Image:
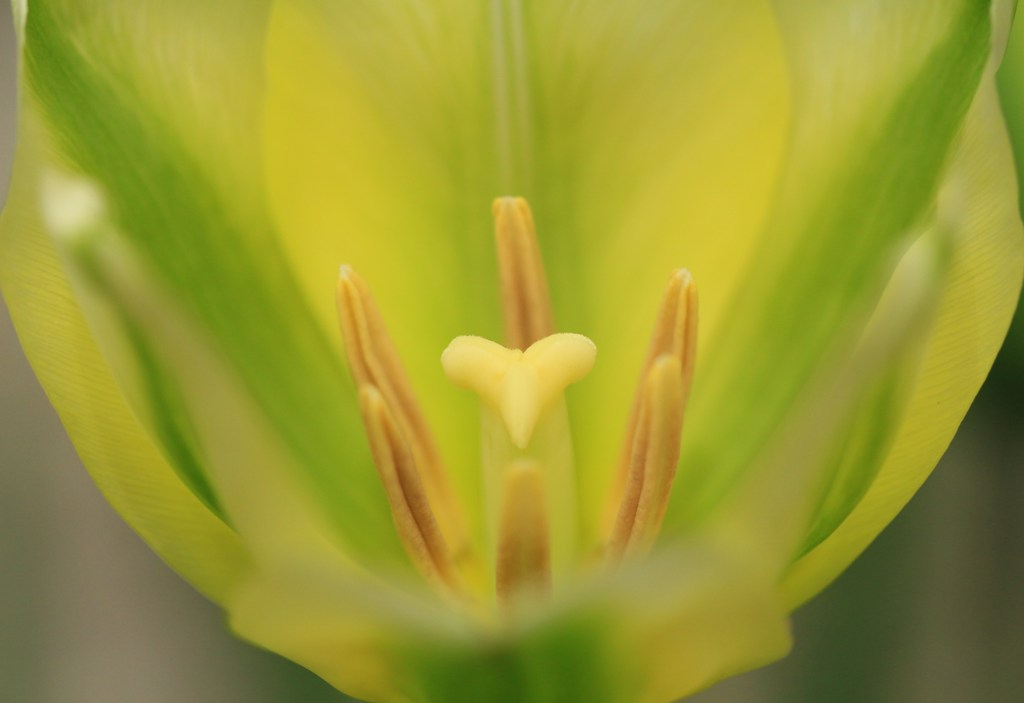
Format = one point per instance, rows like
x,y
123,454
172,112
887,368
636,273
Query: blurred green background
x,y
932,613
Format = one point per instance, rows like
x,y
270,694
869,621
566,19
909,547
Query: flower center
x,y
529,480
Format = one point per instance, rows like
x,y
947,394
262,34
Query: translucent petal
x,y
263,495
133,474
781,494
655,631
988,259
151,345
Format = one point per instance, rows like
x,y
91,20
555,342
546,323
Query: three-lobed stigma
x,y
529,479
519,385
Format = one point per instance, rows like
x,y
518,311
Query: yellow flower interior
x,y
530,481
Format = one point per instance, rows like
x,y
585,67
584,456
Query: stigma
x,y
532,540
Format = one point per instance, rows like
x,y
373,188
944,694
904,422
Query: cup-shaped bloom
x,y
189,177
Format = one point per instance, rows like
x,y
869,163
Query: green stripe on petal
x,y
159,104
282,528
988,258
860,449
74,213
781,494
142,330
859,455
133,474
878,102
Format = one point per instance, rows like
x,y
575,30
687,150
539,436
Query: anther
x,y
374,362
523,559
410,508
675,337
524,288
653,458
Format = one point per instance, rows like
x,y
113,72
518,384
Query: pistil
x,y
524,418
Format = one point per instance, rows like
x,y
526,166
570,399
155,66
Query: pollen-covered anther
x,y
374,362
653,458
523,555
651,449
410,507
525,302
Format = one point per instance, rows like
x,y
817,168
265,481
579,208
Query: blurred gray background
x,y
932,613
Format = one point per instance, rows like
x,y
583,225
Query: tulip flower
x,y
458,470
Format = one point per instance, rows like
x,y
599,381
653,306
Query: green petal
x,y
988,259
159,105
133,474
877,105
653,632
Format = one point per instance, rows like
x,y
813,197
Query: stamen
x,y
524,287
524,559
410,507
374,362
674,336
653,458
